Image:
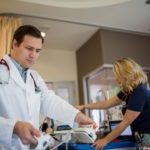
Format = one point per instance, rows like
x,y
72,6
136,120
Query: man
x,y
23,94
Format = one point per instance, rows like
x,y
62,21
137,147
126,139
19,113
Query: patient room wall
x,y
57,65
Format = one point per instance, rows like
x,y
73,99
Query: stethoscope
x,y
3,62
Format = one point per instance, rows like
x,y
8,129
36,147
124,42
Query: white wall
x,y
57,65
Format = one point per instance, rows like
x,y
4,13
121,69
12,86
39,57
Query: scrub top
x,y
138,100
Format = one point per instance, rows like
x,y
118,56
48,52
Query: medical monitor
x,y
126,134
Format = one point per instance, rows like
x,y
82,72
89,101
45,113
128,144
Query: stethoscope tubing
x,y
3,62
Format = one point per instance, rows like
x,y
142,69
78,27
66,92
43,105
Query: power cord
x,y
66,140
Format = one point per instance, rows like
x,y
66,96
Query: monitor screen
x,y
126,133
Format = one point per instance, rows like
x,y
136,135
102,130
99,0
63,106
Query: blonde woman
x,y
131,80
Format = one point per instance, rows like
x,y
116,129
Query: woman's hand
x,y
80,107
99,144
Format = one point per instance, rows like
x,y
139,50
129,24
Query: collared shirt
x,y
18,66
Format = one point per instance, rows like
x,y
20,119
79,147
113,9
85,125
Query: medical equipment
x,y
3,62
43,142
47,141
37,89
82,135
91,126
85,135
4,72
5,75
127,134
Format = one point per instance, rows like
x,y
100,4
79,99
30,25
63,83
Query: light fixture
x,y
147,1
44,30
43,34
76,3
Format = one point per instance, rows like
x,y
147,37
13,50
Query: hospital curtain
x,y
7,27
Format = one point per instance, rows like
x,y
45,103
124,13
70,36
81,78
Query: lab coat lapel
x,y
14,73
29,80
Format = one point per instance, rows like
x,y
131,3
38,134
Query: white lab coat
x,y
20,102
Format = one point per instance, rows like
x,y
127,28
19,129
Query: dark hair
x,y
27,30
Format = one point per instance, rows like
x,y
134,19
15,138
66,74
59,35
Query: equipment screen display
x,y
127,131
126,134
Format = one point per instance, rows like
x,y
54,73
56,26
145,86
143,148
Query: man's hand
x,y
25,132
83,119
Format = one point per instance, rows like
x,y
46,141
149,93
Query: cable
x,y
56,139
66,140
67,146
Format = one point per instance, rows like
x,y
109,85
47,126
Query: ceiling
x,y
70,28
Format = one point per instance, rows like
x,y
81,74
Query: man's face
x,y
27,52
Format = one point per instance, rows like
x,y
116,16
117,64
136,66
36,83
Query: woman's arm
x,y
129,117
101,105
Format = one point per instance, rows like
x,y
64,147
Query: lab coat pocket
x,y
37,98
35,102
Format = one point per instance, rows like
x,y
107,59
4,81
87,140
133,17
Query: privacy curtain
x,y
8,25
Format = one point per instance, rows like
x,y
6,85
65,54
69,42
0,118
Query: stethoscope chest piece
x,y
37,89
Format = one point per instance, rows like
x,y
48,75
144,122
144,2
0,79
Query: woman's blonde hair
x,y
130,72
